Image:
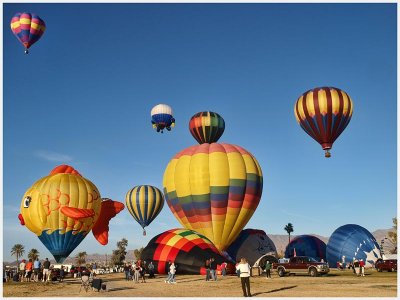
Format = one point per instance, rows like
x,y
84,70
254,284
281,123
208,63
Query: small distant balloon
x,y
206,127
324,113
162,117
28,28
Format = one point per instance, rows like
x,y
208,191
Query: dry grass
x,y
335,284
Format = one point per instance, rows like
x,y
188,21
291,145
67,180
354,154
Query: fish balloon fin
x,y
77,213
64,169
109,209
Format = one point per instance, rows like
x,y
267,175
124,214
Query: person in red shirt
x,y
28,269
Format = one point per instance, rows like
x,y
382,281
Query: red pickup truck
x,y
301,265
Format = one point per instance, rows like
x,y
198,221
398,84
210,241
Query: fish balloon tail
x,y
109,209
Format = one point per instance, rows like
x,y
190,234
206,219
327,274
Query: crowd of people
x,y
138,270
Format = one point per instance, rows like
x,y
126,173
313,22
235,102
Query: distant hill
x,y
280,241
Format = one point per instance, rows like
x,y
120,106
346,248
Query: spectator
x,y
62,274
223,268
362,267
245,270
29,269
268,267
137,269
36,269
213,269
22,266
46,270
207,266
150,267
172,271
126,270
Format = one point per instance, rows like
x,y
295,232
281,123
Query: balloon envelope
x,y
324,113
214,190
307,245
352,241
206,127
186,248
28,28
144,203
251,244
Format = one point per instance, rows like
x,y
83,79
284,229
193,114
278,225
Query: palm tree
x,y
289,229
81,258
18,250
33,254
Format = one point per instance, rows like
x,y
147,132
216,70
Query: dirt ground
x,y
335,284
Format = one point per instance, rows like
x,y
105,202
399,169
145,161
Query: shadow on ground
x,y
276,290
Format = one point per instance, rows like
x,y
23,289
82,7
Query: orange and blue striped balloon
x,y
144,202
28,28
324,113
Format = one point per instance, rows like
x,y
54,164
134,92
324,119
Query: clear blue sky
x,y
84,93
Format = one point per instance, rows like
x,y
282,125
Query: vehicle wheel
x,y
379,270
281,272
392,269
313,272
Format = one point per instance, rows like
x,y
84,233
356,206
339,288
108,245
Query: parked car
x,y
99,271
301,265
389,265
75,270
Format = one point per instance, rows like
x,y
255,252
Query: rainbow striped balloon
x,y
28,28
206,127
214,190
324,113
144,202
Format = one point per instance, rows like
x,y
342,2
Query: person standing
x,y
172,271
245,270
362,267
62,274
167,269
46,270
150,267
126,270
223,268
268,267
207,266
357,267
22,266
36,270
137,272
29,269
213,269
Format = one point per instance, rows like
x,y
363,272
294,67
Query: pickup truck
x,y
301,265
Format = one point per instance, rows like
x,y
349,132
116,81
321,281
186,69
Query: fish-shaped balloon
x,y
63,207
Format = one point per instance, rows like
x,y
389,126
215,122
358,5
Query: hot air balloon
x,y
350,242
307,245
214,190
251,244
324,113
28,28
188,249
144,202
161,117
63,207
206,127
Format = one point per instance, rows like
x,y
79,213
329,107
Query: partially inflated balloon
x,y
187,249
162,117
251,244
351,242
206,127
144,202
324,113
28,28
213,189
63,207
307,245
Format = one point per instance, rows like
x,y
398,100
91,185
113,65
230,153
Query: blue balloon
x,y
350,242
307,245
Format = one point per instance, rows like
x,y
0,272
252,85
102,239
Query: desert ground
x,y
335,284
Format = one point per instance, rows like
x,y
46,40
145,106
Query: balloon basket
x,y
144,232
327,154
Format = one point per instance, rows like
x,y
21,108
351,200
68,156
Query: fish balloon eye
x,y
27,201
